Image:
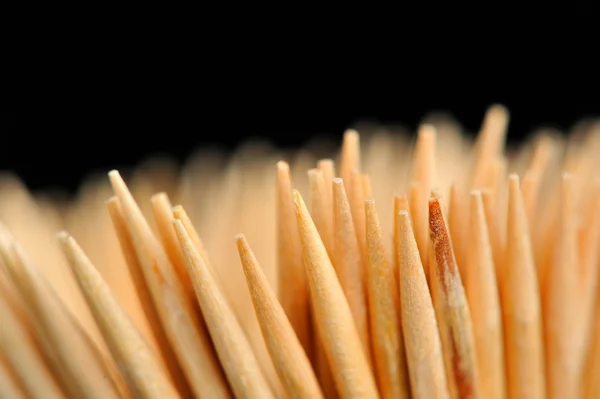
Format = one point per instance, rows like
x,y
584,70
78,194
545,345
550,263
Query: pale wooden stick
x,y
291,362
400,204
350,156
239,362
320,209
497,241
10,388
145,375
452,310
335,325
416,198
24,360
72,347
257,342
184,328
484,303
562,306
165,350
591,379
9,289
423,167
384,312
422,180
589,271
348,264
530,187
521,306
356,198
163,213
421,336
180,214
327,167
488,147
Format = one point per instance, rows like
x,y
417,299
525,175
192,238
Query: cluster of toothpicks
x,y
433,268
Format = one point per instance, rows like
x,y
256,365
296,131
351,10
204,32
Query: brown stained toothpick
x,y
452,310
421,336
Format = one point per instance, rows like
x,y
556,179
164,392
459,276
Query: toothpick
x,y
384,311
521,306
240,365
452,310
145,375
291,362
421,336
335,325
168,356
484,303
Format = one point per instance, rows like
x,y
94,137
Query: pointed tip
x,y
427,130
178,211
238,237
111,200
160,196
296,196
498,110
350,133
114,174
62,237
282,165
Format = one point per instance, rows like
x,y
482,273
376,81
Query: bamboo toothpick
x,y
332,313
484,303
237,358
384,311
521,305
452,310
293,291
165,350
348,264
421,336
145,374
291,362
24,360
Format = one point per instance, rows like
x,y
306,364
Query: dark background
x,y
58,149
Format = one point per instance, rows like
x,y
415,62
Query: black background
x,y
58,149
